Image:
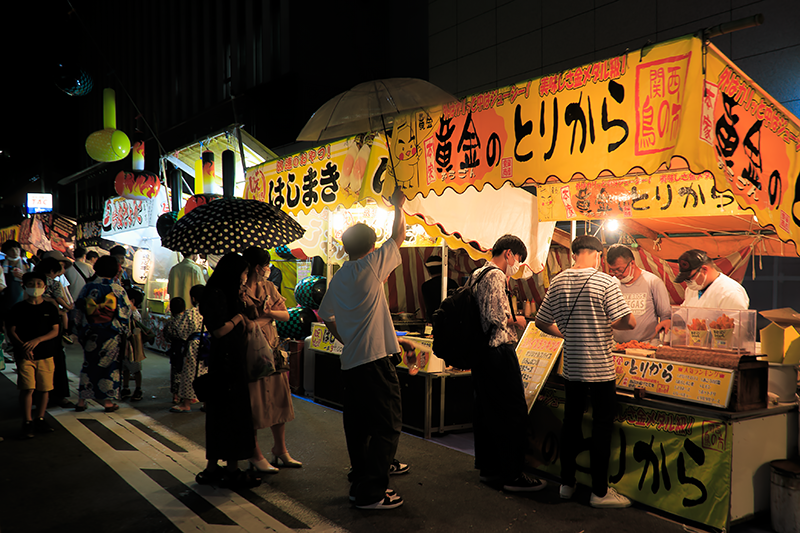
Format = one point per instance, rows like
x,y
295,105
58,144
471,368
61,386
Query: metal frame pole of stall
x,y
444,271
329,249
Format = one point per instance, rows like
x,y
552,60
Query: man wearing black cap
x,y
432,289
706,286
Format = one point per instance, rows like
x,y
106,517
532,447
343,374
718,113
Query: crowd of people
x,y
217,322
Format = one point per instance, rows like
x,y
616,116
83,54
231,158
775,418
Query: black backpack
x,y
457,329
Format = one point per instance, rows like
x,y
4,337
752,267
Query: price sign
x,y
322,340
693,383
537,353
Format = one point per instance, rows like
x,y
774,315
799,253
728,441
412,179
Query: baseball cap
x,y
688,262
58,256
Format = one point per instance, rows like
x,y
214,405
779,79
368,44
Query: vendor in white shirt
x,y
645,293
706,286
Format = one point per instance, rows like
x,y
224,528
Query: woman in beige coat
x,y
270,397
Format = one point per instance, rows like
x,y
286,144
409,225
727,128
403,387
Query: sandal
x,y
111,408
80,408
137,395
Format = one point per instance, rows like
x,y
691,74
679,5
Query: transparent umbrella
x,y
371,106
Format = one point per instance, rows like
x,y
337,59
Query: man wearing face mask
x,y
706,286
645,293
582,306
500,417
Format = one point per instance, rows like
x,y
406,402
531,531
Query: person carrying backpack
x,y
500,416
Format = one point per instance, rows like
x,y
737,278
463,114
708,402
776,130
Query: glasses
x,y
619,270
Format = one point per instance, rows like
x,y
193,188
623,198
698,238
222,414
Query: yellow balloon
x,y
108,145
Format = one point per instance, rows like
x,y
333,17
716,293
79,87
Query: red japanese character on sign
x,y
659,102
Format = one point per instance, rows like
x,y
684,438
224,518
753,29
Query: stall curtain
x,y
403,288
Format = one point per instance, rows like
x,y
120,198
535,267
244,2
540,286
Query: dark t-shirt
x,y
33,321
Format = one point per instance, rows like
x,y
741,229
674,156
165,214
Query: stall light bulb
x,y
612,225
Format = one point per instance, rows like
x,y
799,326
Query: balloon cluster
x,y
309,293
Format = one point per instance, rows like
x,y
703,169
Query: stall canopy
x,y
676,105
228,138
352,171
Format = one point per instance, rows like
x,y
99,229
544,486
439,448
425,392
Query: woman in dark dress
x,y
229,422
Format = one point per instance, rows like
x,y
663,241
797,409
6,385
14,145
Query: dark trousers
x,y
603,396
372,420
500,419
60,378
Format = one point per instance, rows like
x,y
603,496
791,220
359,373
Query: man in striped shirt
x,y
582,306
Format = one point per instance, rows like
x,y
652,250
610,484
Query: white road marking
x,y
151,454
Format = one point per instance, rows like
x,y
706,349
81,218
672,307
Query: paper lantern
x,y
142,263
298,327
108,144
137,184
198,200
309,291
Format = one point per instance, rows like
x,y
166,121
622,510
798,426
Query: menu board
x,y
322,340
537,353
693,383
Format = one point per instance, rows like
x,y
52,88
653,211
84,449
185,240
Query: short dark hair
x,y
107,267
48,265
91,254
513,243
196,292
79,252
26,277
177,305
256,256
615,251
118,250
9,244
586,242
135,295
358,239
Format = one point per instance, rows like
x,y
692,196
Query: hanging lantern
x,y
142,263
108,144
137,184
309,291
198,200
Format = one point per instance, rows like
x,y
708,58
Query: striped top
x,y
587,337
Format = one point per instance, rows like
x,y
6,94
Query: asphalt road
x,y
133,471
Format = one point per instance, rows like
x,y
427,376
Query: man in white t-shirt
x,y
582,306
706,286
645,293
80,272
356,312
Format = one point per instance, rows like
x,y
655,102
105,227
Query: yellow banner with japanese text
x,y
341,173
662,195
634,112
676,462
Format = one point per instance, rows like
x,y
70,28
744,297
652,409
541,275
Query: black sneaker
x,y
398,468
525,484
137,395
388,502
27,430
42,426
124,393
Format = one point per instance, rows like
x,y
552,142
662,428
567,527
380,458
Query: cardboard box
x,y
780,341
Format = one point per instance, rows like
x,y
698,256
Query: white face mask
x,y
627,279
34,291
511,270
694,284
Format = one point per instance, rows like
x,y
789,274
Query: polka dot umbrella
x,y
231,225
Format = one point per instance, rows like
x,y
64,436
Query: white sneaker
x,y
566,491
612,500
